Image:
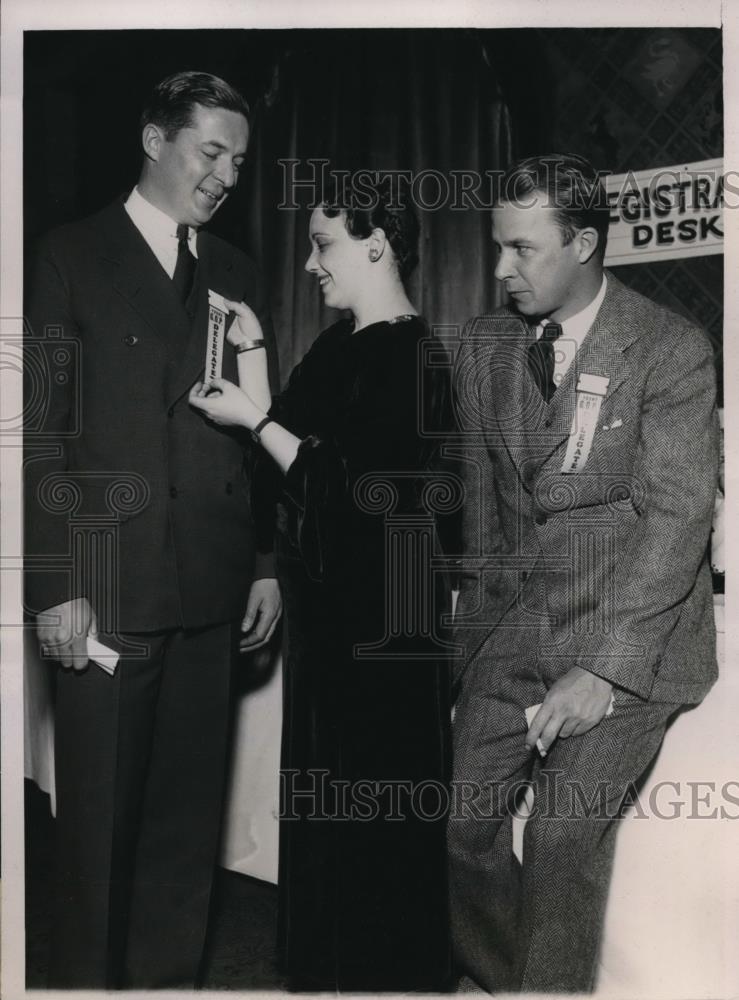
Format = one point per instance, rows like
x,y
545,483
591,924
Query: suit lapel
x,y
138,278
519,408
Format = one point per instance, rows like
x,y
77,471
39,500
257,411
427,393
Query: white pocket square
x,y
614,425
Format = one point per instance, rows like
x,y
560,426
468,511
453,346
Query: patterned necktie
x,y
541,360
184,271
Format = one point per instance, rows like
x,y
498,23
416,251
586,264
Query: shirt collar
x,y
157,228
577,326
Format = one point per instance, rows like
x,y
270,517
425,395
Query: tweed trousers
x,y
536,927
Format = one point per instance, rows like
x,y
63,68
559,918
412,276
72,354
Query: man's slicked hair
x,y
570,185
173,101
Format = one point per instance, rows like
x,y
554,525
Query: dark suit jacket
x,y
113,450
616,553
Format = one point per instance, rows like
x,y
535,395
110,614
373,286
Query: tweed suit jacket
x,y
117,462
612,559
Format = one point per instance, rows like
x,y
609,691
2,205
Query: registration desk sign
x,y
666,212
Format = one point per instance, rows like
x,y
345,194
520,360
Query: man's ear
x,y
588,244
152,139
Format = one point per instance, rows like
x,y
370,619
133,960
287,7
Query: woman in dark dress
x,y
353,441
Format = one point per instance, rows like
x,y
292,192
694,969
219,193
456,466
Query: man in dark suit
x,y
138,534
591,467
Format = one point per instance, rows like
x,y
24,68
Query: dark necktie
x,y
541,360
184,270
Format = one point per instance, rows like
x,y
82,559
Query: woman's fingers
x,y
241,309
202,396
197,394
246,319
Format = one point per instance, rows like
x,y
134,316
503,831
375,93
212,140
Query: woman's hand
x,y
245,326
225,404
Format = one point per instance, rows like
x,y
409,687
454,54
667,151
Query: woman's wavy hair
x,y
369,202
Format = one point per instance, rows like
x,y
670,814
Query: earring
x,y
374,256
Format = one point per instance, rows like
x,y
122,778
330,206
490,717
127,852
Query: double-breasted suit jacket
x,y
185,553
137,503
619,547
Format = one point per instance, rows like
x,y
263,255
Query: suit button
x,y
524,576
130,340
229,488
548,422
173,492
170,412
541,517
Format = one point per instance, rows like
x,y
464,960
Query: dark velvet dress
x,y
365,753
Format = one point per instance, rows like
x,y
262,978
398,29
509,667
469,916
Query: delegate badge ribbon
x,y
217,313
590,392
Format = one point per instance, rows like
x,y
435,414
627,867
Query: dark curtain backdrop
x,y
416,100
412,101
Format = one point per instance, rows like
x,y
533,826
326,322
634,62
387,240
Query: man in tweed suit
x,y
590,464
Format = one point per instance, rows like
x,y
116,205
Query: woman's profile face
x,y
338,260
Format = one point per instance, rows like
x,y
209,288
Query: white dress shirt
x,y
574,331
159,231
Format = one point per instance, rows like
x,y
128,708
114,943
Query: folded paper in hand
x,y
104,656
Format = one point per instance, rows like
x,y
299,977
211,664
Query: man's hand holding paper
x,y
63,631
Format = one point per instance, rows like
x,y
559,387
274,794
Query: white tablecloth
x,y
252,805
671,928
